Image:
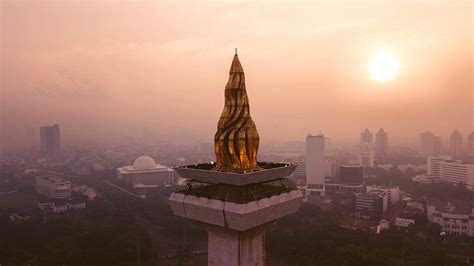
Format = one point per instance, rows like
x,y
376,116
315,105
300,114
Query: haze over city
x,y
237,133
105,70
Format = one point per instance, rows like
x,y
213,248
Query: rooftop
x,y
212,165
372,193
143,164
207,173
53,179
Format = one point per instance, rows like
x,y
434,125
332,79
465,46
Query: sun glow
x,y
383,67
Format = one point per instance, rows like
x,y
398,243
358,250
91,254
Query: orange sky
x,y
103,69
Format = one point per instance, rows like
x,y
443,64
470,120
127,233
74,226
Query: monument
x,y
236,197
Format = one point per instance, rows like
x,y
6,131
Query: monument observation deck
x,y
236,197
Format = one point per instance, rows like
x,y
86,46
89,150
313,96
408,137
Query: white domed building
x,y
146,173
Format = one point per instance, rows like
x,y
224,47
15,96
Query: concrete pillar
x,y
233,248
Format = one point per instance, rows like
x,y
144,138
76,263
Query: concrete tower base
x,y
233,248
235,217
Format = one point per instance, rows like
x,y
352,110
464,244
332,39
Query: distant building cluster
x,y
370,150
431,145
324,175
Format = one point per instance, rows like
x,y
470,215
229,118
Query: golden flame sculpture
x,y
236,140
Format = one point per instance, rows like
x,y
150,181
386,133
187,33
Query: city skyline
x,y
126,76
235,133
426,143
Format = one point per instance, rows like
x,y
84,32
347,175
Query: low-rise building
x,y
60,206
424,179
342,188
402,214
53,187
370,204
451,220
145,171
18,218
86,191
57,195
393,192
404,219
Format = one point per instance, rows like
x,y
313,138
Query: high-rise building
x,y
470,144
366,155
427,143
315,165
366,136
381,145
437,144
49,140
455,143
366,148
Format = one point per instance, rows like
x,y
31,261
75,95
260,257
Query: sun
x,y
383,67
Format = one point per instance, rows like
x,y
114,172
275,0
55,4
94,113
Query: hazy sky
x,y
103,69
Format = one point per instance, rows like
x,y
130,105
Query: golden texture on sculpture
x,y
236,140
